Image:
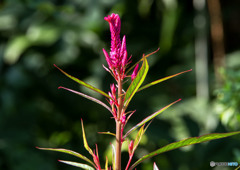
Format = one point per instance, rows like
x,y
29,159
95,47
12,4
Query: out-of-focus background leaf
x,y
35,34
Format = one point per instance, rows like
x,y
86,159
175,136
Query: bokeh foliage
x,y
35,34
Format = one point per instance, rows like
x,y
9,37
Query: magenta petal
x,y
124,59
123,47
110,64
105,53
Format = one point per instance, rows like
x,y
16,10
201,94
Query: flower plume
x,y
117,58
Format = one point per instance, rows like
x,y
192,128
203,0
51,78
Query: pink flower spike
x,y
134,74
117,57
115,24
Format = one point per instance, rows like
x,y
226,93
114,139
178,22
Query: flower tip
x,y
36,147
60,87
179,99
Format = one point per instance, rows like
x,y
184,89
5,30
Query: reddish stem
x,y
119,126
129,161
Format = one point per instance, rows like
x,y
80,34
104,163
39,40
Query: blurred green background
x,y
35,34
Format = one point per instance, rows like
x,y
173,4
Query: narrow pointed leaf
x,y
144,56
155,166
83,83
87,97
138,138
149,118
106,164
107,133
85,141
130,116
185,142
113,156
80,165
161,80
68,152
136,83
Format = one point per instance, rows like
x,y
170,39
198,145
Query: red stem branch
x,y
119,126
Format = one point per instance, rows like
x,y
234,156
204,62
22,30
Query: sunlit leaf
x,y
68,152
149,118
88,97
106,164
80,165
161,80
185,142
107,133
136,83
85,141
84,84
138,138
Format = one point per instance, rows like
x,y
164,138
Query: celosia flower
x,y
117,60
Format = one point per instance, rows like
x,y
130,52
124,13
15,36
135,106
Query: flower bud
x,y
135,71
130,147
123,119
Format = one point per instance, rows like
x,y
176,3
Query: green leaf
x,y
138,138
149,118
136,83
68,152
83,83
85,141
80,165
185,142
87,97
107,133
161,80
106,164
